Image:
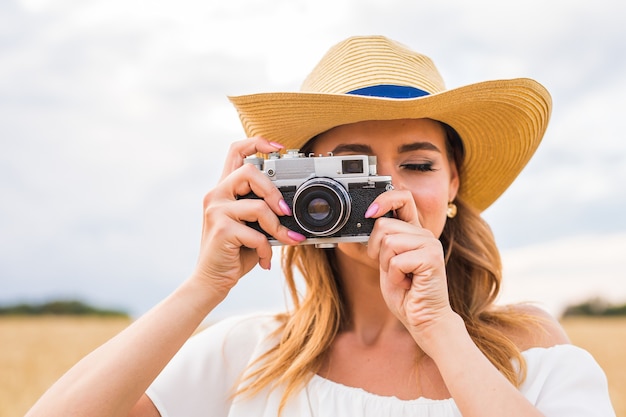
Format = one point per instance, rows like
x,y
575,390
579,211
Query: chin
x,y
356,252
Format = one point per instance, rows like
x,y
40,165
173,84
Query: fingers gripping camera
x,y
328,195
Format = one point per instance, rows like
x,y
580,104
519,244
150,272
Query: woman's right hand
x,y
112,379
229,248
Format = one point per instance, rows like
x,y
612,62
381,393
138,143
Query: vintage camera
x,y
328,194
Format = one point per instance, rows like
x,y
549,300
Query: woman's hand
x,y
229,248
112,379
412,267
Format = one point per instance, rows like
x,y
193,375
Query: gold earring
x,y
451,212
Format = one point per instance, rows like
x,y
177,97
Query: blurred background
x,y
114,121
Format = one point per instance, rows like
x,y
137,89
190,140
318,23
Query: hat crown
x,y
366,61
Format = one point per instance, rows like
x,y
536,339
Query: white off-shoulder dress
x,y
562,381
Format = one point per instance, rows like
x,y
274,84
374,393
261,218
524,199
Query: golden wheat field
x,y
34,352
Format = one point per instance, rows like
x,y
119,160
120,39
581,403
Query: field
x,y
35,352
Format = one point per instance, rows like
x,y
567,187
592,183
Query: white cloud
x,y
558,273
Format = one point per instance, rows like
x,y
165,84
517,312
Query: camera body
x,y
328,194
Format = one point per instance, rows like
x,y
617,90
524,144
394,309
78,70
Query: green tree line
x,y
595,307
592,307
59,307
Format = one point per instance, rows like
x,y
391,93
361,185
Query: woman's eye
x,y
423,167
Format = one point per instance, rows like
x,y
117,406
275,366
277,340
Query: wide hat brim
x,y
500,122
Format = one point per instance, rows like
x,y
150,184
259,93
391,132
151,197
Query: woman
x,y
405,325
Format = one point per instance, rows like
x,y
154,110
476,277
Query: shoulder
x,y
535,327
242,329
259,321
231,341
566,380
199,378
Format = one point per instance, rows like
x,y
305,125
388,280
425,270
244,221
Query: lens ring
x,y
315,196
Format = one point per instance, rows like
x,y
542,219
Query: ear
x,y
455,182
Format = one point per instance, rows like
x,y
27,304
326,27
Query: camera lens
x,y
319,209
321,206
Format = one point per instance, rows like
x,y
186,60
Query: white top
x,y
562,381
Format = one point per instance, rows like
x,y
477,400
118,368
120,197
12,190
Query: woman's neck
x,y
374,351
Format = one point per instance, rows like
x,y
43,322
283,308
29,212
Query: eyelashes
x,y
422,167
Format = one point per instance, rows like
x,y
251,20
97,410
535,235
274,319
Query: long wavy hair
x,y
474,276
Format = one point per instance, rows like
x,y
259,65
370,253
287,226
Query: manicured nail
x,y
265,264
373,209
277,145
296,236
284,207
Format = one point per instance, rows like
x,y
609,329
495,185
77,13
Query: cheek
x,y
432,205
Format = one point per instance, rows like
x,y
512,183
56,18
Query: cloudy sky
x,y
114,122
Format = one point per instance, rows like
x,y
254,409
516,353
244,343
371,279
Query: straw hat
x,y
500,122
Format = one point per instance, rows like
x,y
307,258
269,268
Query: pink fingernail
x,y
373,209
277,145
296,236
284,207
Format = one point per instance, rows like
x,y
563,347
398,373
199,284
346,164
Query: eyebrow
x,y
357,148
360,148
418,146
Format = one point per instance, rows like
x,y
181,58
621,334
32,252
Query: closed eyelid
x,y
418,159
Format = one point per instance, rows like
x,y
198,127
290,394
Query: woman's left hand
x,y
412,267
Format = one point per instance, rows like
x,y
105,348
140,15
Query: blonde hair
x,y
474,275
